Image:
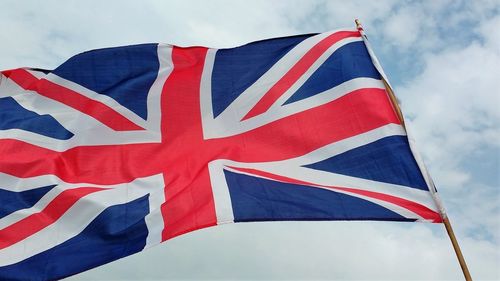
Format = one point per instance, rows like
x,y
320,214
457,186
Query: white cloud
x,y
307,251
454,106
403,27
457,93
445,56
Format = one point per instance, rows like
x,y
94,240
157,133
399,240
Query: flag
x,y
120,149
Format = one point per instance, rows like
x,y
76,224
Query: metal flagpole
x,y
446,220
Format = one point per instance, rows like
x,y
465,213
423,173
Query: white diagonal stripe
x,y
347,144
247,100
39,206
388,205
76,218
221,127
15,184
104,99
227,123
86,129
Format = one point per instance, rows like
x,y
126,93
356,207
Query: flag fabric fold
x,y
120,149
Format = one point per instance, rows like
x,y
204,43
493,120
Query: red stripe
x,y
105,164
189,204
414,207
35,222
6,73
189,201
355,113
96,109
297,71
22,77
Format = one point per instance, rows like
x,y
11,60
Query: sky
x,y
443,59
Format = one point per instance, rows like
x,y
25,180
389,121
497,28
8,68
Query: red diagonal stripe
x,y
354,113
297,71
52,212
414,207
93,108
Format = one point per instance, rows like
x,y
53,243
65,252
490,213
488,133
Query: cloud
x,y
403,27
442,57
454,101
306,251
453,107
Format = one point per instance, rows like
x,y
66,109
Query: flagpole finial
x,y
358,24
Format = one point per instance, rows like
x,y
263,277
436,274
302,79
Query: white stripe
x,y
2,78
15,184
34,138
154,96
108,101
154,220
76,219
36,73
206,92
220,190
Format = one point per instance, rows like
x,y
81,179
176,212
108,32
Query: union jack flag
x,y
120,149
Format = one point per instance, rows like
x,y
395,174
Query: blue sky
x,y
443,58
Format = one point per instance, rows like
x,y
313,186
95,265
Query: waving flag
x,y
119,149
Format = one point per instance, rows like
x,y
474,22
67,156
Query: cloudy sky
x,y
443,58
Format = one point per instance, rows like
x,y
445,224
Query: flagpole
x,y
446,220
